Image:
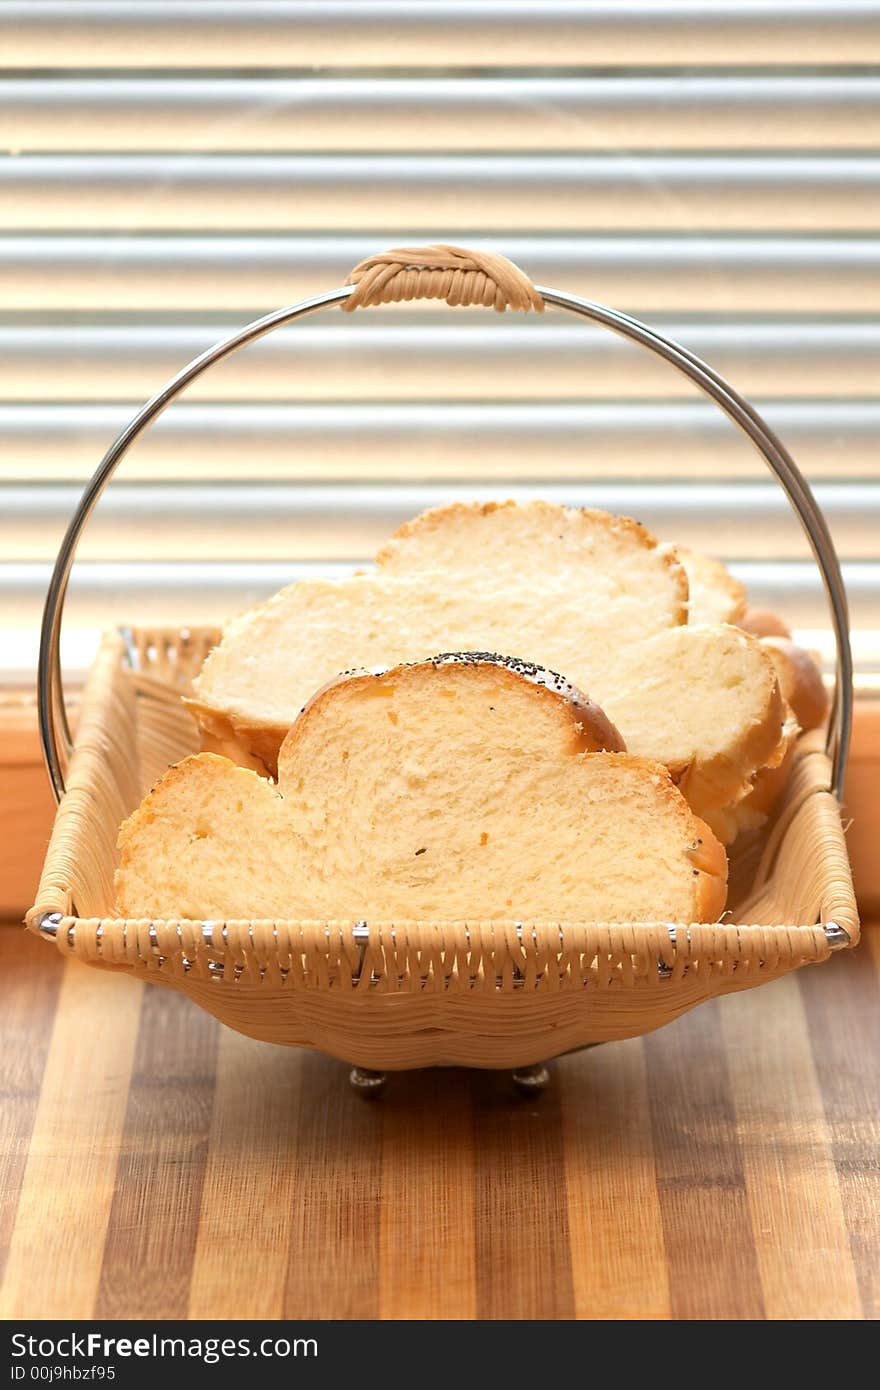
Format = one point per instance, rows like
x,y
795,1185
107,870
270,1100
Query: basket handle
x,y
459,277
462,278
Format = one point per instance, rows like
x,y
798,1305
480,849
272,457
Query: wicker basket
x,y
408,994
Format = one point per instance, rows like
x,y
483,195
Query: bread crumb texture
x,y
514,541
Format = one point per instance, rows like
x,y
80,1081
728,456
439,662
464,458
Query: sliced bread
x,y
800,681
520,541
703,701
210,840
458,541
614,562
452,789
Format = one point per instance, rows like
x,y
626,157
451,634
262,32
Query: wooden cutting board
x,y
159,1166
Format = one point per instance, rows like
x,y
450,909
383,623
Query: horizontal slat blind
x,y
482,358
439,114
382,442
336,521
453,33
169,170
417,193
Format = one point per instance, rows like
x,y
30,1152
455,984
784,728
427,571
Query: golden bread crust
x,y
768,784
711,862
247,742
230,746
800,681
591,729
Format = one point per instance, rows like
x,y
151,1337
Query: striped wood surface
x,y
158,1166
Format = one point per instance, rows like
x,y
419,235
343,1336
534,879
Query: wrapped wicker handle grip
x,y
460,277
451,273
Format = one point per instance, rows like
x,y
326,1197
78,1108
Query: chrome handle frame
x,y
54,724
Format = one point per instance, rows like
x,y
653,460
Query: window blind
x,y
169,170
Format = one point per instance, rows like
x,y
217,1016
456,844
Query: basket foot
x,y
531,1080
369,1085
